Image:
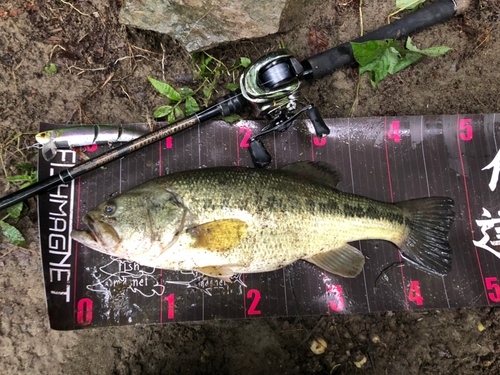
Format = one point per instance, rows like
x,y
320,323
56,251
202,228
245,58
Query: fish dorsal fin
x,y
318,171
345,261
221,272
219,236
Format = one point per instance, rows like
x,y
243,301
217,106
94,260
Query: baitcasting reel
x,y
271,85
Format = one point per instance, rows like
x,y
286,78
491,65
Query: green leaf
x,y
162,111
191,106
433,51
11,233
185,92
178,113
165,89
207,91
51,69
15,211
245,61
25,167
19,178
367,52
233,86
171,117
403,3
381,57
232,118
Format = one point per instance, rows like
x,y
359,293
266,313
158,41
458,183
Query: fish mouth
x,y
94,229
100,236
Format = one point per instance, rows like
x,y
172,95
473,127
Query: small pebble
x,y
318,346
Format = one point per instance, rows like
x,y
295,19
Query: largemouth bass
x,y
223,221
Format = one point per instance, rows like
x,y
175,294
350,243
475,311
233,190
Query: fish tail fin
x,y
428,222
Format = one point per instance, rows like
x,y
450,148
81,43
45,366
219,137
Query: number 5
x,y
467,135
495,297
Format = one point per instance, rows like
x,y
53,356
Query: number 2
x,y
244,142
495,297
394,132
251,310
415,295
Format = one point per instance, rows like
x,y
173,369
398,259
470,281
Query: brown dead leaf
x,y
15,12
32,6
317,39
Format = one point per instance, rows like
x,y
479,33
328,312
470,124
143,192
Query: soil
x,y
101,78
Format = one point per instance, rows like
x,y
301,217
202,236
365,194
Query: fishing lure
x,y
76,136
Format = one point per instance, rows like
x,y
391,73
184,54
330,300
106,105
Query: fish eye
x,y
110,208
43,134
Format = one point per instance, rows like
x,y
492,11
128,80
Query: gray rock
x,y
202,24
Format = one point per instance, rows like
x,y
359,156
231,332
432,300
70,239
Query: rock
x,y
200,25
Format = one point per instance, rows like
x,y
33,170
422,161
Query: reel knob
x,y
259,154
319,125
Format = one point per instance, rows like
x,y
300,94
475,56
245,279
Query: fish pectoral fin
x,y
219,236
318,171
221,272
345,261
49,151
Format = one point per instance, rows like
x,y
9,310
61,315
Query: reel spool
x,y
271,85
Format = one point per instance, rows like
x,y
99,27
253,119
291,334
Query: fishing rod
x,y
270,85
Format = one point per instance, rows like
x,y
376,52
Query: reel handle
x,y
259,154
319,124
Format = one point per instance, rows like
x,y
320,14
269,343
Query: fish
x,y
85,135
229,220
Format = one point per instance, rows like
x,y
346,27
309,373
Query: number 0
x,y
84,312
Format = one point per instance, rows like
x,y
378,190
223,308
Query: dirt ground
x,y
89,47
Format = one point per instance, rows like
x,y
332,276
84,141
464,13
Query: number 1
x,y
170,300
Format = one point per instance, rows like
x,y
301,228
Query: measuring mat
x,y
388,159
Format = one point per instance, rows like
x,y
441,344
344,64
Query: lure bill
x,y
86,135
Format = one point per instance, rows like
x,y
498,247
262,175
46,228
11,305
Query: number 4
x,y
394,132
415,295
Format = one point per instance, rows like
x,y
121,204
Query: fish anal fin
x,y
319,171
345,261
221,272
219,236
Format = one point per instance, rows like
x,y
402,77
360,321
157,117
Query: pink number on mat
x,y
415,295
244,142
169,142
319,141
251,310
170,300
495,297
84,312
338,300
91,148
467,135
394,132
